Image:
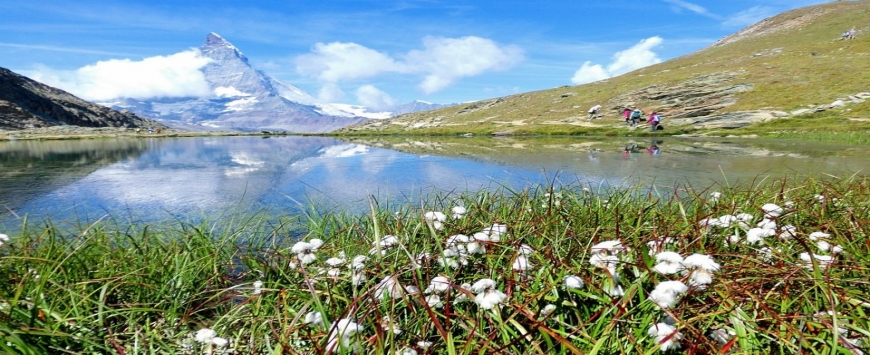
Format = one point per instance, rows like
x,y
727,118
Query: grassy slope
x,y
793,61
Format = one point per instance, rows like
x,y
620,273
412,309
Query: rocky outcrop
x,y
25,103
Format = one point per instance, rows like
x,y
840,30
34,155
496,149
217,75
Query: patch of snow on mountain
x,y
240,104
347,110
223,91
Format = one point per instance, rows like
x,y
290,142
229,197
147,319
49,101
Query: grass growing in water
x,y
777,267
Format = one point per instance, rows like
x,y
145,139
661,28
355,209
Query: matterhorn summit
x,y
242,98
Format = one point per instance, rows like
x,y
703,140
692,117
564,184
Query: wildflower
x,y
314,318
315,243
714,196
756,235
822,260
823,245
573,282
787,231
771,210
386,243
341,336
521,263
668,263
820,198
613,290
659,243
462,296
494,232
458,212
666,293
701,261
335,262
387,324
205,335
612,246
3,239
836,249
487,296
548,309
666,336
358,278
475,248
436,218
439,284
525,250
448,262
220,342
424,344
389,286
358,262
608,262
258,287
434,301
814,236
305,251
724,221
767,224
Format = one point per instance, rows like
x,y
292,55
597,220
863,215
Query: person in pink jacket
x,y
654,120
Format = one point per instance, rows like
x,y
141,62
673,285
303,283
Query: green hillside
x,y
780,77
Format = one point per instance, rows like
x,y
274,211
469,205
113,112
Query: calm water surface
x,y
152,179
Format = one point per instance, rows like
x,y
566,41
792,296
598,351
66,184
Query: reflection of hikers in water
x,y
593,112
654,147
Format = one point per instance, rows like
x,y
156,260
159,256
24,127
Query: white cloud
x,y
441,62
636,57
372,97
330,92
177,75
446,60
680,4
749,16
338,61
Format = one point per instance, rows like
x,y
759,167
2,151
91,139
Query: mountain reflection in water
x,y
192,178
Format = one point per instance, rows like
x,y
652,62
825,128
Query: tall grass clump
x,y
776,267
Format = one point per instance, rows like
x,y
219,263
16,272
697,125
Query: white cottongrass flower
x,y
335,262
220,342
458,212
436,218
608,246
714,196
814,236
771,210
573,282
385,243
668,263
666,336
3,239
521,263
525,250
424,344
314,318
837,249
548,309
487,296
757,235
766,224
613,290
205,335
358,278
787,231
492,233
701,261
258,287
358,263
475,248
656,245
305,251
820,198
434,301
822,260
462,296
341,336
389,286
609,262
666,293
387,324
439,284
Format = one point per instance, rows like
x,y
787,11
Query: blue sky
x,y
372,52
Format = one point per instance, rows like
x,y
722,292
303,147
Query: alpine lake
x,y
133,180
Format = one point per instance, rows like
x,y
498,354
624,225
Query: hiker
x,y
636,114
852,33
593,111
654,120
627,114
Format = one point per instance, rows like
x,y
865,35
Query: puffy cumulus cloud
x,y
372,97
446,60
441,62
177,75
330,92
636,57
337,61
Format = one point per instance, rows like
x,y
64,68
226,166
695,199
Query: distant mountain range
x,y
248,99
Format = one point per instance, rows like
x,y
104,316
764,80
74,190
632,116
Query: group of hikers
x,y
850,34
632,115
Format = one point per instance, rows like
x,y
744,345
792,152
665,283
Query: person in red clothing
x,y
627,114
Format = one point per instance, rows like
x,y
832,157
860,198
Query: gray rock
x,y
838,103
802,111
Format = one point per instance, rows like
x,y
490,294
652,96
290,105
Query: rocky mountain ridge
x,y
25,103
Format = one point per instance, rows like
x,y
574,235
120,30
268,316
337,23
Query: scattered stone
x,y
838,103
569,94
802,111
